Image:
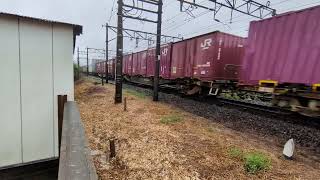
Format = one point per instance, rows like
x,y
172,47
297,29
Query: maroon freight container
x,y
189,60
217,56
124,61
209,57
129,65
165,61
111,67
135,64
100,67
285,48
150,62
178,60
142,61
126,64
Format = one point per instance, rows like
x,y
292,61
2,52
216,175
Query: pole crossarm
x,y
143,35
141,9
248,7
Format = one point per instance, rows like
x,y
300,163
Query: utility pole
x,y
107,53
118,95
78,60
87,61
158,55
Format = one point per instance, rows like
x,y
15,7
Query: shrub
x,y
255,162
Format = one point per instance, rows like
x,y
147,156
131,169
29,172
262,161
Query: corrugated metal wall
x,y
36,66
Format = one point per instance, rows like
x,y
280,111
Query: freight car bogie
x,y
307,104
247,95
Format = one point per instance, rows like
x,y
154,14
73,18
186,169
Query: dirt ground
x,y
160,141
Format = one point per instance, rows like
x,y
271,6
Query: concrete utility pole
x,y
158,55
87,61
107,53
118,95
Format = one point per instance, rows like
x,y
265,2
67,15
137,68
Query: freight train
x,y
278,65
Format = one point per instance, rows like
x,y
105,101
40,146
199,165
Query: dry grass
x,y
188,147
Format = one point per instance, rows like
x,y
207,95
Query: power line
x,y
276,4
178,14
112,9
298,7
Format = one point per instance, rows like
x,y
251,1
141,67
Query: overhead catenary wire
x,y
112,9
225,21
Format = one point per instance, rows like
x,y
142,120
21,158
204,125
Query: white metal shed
x,y
36,65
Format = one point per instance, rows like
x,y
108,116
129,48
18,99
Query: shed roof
x,y
77,29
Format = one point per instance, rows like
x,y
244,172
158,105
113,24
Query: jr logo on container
x,y
206,44
164,51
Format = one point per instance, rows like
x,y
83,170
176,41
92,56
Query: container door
x,y
36,90
178,60
205,54
143,63
165,61
10,128
150,62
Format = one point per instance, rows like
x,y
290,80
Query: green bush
x,y
255,162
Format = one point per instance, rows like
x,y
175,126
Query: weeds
x,y
170,119
254,162
235,152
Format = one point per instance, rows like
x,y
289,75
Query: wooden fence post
x,y
62,99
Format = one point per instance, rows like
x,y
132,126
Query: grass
x,y
170,119
254,162
235,152
136,93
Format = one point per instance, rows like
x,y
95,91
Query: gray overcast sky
x,y
91,14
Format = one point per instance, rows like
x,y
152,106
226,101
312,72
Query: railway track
x,y
254,108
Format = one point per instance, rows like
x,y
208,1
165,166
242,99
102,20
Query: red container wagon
x,y
208,58
135,65
165,61
142,59
285,49
178,57
218,56
282,57
100,68
151,62
112,68
127,64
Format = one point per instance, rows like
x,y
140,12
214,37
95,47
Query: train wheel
x,y
283,103
294,104
314,105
